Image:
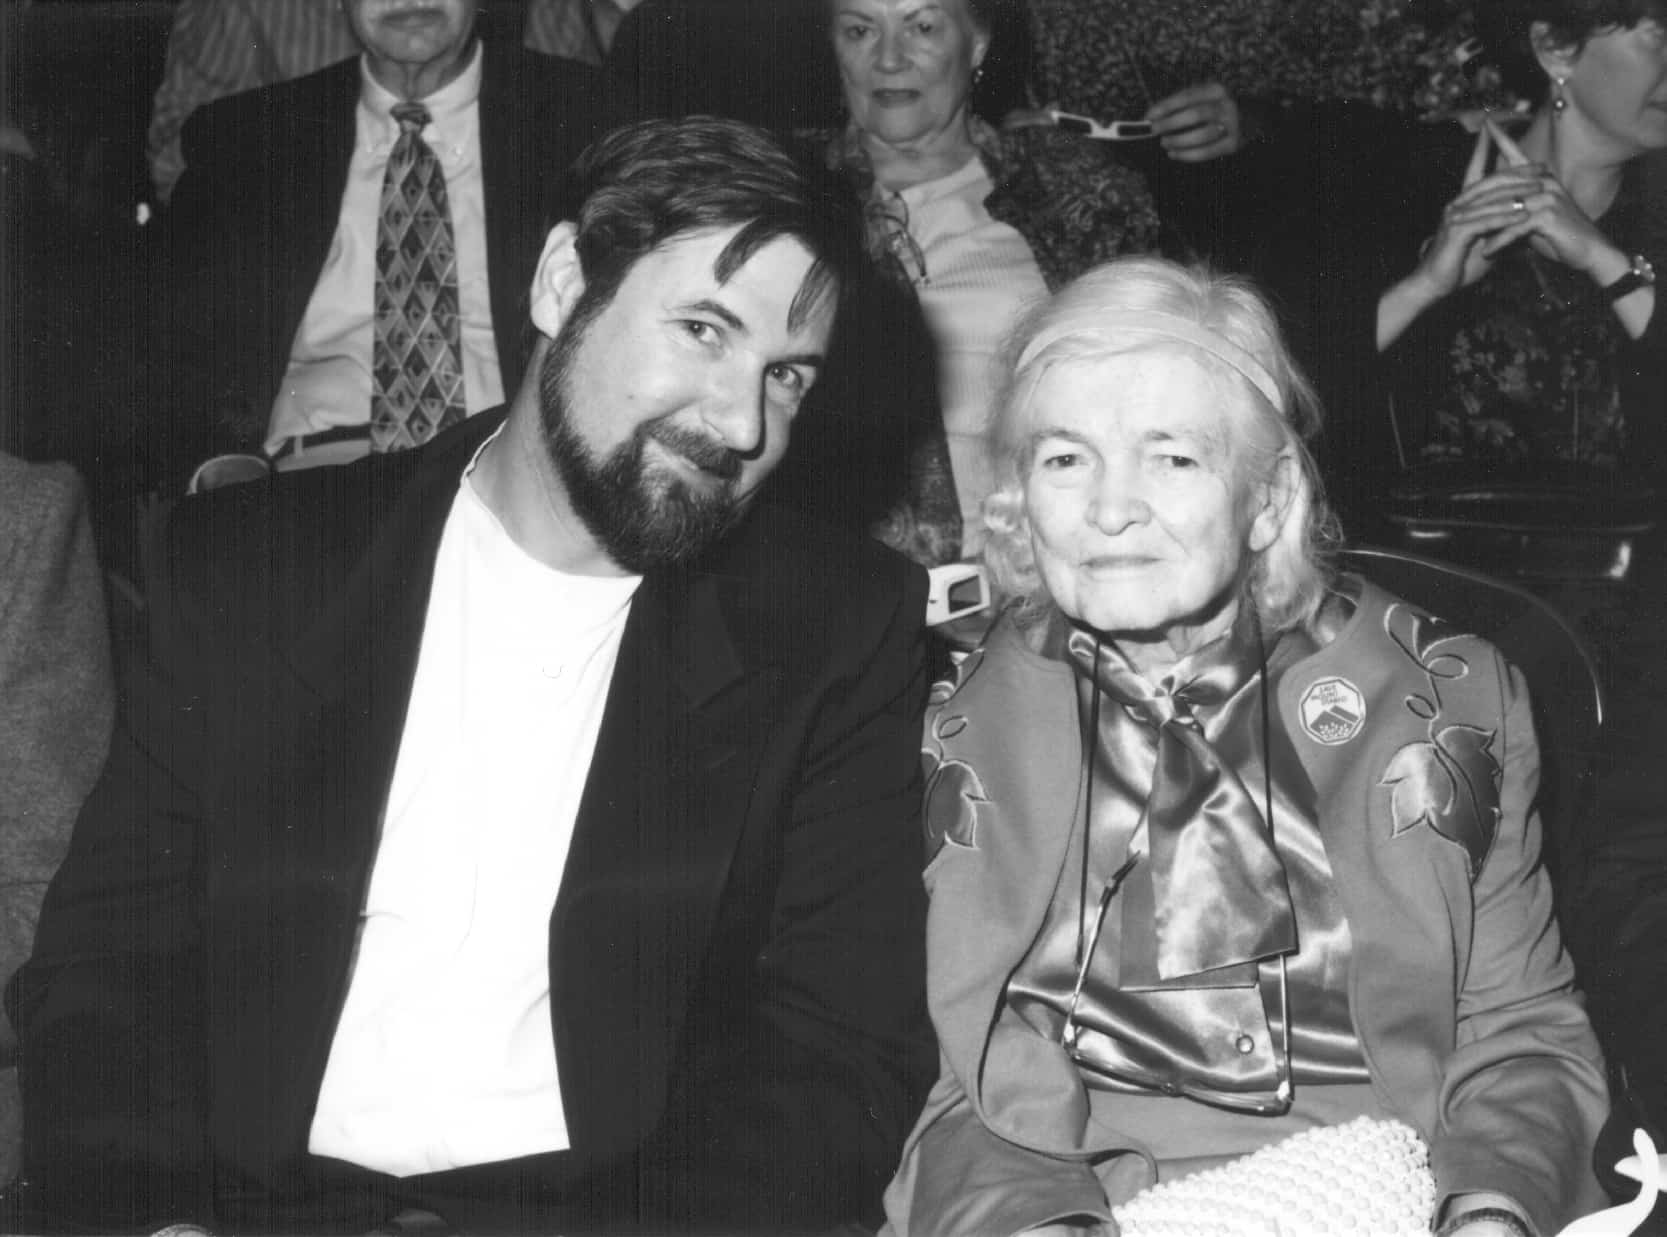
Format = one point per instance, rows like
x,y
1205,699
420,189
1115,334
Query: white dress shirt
x,y
328,382
981,275
444,1055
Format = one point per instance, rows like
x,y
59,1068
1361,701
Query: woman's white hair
x,y
1088,320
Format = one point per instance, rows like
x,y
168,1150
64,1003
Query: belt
x,y
300,442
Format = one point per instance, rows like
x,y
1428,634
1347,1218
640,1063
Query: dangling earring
x,y
977,73
1559,100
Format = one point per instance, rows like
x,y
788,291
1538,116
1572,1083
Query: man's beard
x,y
642,514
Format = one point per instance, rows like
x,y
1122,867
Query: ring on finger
x,y
1221,129
1519,206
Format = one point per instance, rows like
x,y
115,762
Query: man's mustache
x,y
699,449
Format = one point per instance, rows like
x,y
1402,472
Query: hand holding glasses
x,y
1194,125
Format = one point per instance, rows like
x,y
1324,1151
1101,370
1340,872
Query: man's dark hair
x,y
645,184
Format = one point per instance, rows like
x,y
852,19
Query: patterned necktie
x,y
1218,884
417,367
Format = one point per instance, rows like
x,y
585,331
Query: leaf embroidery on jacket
x,y
953,793
953,790
1450,780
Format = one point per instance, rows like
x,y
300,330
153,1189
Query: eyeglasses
x,y
1275,1104
887,216
1112,131
1085,949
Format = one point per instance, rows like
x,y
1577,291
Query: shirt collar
x,y
445,106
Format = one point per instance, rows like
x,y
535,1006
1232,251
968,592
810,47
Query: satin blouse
x,y
1219,1035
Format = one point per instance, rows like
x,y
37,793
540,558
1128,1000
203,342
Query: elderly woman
x,y
1224,847
979,224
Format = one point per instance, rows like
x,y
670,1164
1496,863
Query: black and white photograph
x,y
927,618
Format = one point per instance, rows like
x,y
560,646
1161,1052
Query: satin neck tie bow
x,y
1219,888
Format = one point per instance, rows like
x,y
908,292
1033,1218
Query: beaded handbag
x,y
1363,1177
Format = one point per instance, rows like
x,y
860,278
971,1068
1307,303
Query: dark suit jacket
x,y
250,223
736,949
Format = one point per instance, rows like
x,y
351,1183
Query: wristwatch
x,y
1642,275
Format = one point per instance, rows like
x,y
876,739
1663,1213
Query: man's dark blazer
x,y
249,227
737,947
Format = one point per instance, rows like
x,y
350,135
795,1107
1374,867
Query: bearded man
x,y
520,830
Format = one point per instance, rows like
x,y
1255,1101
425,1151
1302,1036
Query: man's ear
x,y
1275,498
558,282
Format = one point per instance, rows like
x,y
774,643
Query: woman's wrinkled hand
x,y
1199,123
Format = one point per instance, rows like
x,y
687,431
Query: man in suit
x,y
519,828
355,245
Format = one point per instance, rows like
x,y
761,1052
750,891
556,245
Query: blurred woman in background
x,y
975,223
1528,329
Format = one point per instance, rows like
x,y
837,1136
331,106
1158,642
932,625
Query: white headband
x,y
1161,326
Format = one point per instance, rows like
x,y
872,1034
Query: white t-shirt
x,y
444,1055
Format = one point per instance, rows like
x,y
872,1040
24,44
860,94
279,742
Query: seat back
x,y
1562,675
